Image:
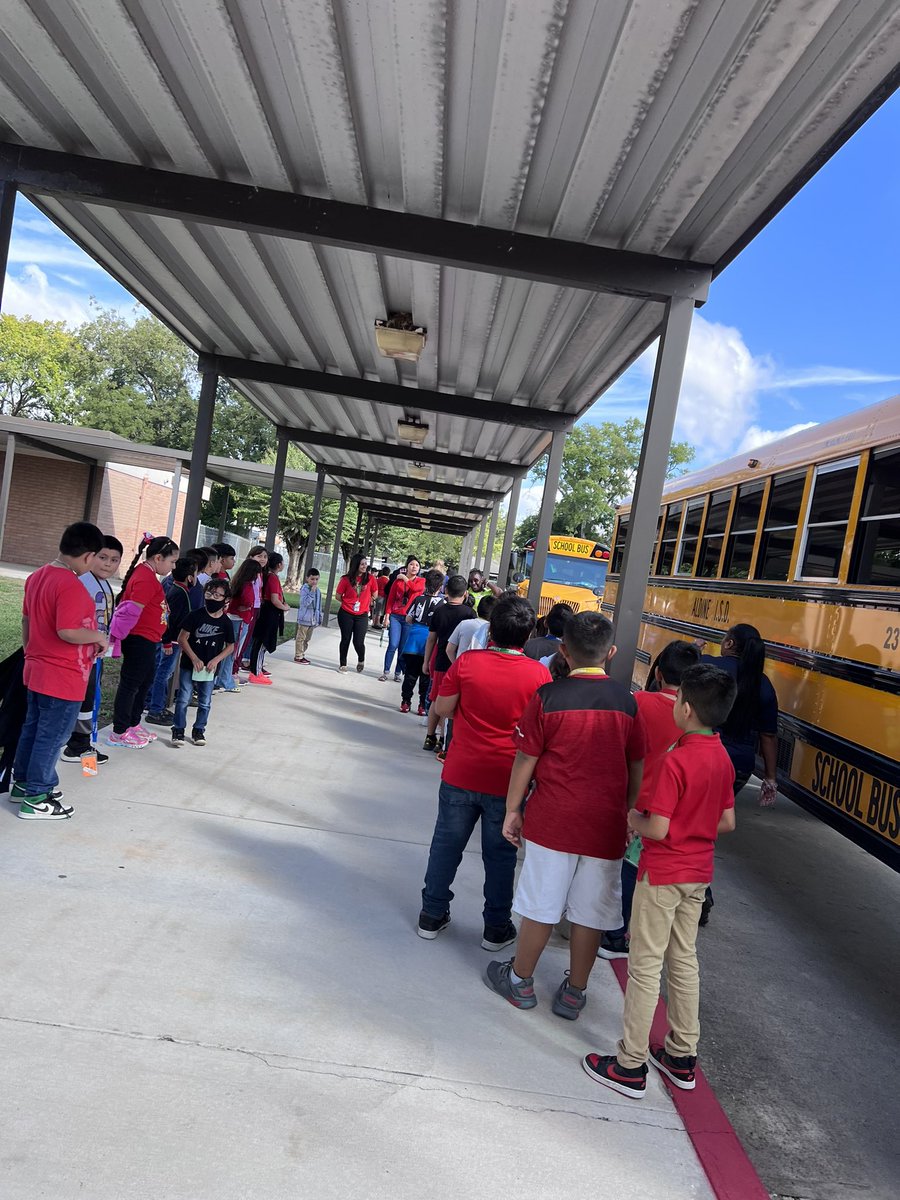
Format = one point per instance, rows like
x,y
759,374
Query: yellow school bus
x,y
575,573
800,538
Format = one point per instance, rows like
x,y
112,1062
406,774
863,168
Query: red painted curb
x,y
730,1172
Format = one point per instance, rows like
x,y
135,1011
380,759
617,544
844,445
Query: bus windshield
x,y
575,572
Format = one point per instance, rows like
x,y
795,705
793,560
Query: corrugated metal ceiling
x,y
672,128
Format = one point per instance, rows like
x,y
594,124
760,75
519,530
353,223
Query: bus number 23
x,y
892,638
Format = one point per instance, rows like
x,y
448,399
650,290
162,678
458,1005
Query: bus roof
x,y
877,424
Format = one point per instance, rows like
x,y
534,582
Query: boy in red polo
x,y
582,741
693,803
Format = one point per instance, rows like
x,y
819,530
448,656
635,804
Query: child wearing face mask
x,y
206,639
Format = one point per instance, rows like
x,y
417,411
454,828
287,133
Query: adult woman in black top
x,y
753,720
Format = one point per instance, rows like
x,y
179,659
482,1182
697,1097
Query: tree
x,y
36,360
599,464
396,544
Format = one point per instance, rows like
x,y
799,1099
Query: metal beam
x,y
335,223
424,485
367,494
390,516
36,443
491,538
411,522
375,392
223,520
199,459
506,551
173,503
405,451
95,471
7,211
9,459
335,552
277,492
651,475
545,521
314,520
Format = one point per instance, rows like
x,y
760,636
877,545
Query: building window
x,y
826,522
690,535
741,537
713,535
619,544
780,527
669,539
876,554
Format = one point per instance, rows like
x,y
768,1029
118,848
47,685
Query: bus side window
x,y
739,552
713,535
780,527
825,529
876,555
669,539
690,535
619,545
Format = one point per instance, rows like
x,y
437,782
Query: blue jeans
x,y
159,689
48,723
458,814
224,672
629,879
395,642
186,685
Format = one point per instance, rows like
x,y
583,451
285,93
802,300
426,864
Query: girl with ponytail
x,y
138,624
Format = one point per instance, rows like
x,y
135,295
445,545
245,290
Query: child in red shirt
x,y
655,706
582,740
242,612
61,641
485,694
692,804
141,632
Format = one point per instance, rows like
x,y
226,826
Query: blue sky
x,y
802,327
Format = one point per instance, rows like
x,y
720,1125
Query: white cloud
x,y
825,377
30,294
56,251
756,437
530,501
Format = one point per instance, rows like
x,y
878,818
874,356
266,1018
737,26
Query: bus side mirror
x,y
518,577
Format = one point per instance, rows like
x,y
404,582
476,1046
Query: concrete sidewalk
x,y
212,987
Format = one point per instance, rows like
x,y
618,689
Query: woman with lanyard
x,y
408,585
753,720
355,590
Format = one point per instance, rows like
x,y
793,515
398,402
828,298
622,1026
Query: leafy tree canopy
x,y
598,468
36,367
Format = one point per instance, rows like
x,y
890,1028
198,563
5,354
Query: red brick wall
x,y
46,495
128,506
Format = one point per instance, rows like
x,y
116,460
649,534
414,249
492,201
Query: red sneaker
x,y
420,711
404,707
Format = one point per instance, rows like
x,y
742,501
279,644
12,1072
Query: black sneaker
x,y
498,936
606,1070
430,927
613,947
160,718
681,1071
198,737
74,756
177,739
430,743
45,808
568,1001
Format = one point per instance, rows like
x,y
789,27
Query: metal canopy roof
x,y
98,446
658,137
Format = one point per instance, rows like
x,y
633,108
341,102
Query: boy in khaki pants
x,y
692,804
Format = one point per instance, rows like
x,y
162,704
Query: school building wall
x,y
46,494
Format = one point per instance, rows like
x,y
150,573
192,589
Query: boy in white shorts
x,y
581,740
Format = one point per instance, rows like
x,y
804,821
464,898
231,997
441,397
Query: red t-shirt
x,y
693,788
272,587
493,690
382,581
55,598
348,595
241,606
144,588
584,731
656,710
403,592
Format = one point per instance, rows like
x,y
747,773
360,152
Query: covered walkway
x,y
219,950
